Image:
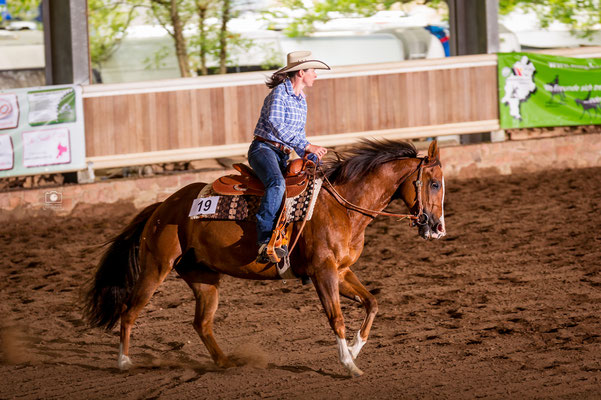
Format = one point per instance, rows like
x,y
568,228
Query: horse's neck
x,y
366,193
375,190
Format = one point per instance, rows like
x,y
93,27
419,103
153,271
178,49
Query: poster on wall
x,y
7,158
41,131
46,147
538,90
54,106
9,111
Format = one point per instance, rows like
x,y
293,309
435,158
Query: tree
x,y
107,25
324,10
26,10
213,40
174,15
203,9
226,9
23,9
582,16
199,29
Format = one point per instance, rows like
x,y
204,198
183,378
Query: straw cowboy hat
x,y
298,60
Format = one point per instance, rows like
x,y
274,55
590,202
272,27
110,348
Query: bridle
x,y
420,218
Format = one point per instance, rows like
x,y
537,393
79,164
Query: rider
x,y
281,129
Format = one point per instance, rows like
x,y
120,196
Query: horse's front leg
x,y
327,285
352,288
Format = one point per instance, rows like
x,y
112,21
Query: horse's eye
x,y
435,185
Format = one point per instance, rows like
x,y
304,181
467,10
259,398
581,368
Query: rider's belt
x,y
279,146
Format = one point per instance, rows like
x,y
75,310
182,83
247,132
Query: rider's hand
x,y
317,150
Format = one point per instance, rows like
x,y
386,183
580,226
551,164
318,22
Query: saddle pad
x,y
211,205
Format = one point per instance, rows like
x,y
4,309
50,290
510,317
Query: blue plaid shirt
x,y
283,118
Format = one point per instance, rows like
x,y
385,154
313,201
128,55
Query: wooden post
x,y
474,29
66,41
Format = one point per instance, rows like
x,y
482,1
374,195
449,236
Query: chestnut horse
x,y
162,237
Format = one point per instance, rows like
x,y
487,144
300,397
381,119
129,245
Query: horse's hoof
x,y
356,372
225,363
124,363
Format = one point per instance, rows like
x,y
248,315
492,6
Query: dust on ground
x,y
505,306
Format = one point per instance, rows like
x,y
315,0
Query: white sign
x,y
46,147
204,205
9,111
7,157
51,106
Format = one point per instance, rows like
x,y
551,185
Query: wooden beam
x,y
198,153
258,78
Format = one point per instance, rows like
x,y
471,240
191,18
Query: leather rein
x,y
420,218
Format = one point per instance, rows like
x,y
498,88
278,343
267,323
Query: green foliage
x,y
107,25
204,47
23,9
157,60
582,16
110,20
204,32
207,45
324,10
161,12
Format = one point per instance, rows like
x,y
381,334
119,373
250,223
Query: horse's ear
x,y
433,150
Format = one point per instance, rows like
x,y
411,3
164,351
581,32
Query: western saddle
x,y
297,177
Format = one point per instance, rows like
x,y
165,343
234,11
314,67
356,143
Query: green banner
x,y
537,90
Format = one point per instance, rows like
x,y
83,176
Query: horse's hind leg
x,y
154,268
351,287
205,285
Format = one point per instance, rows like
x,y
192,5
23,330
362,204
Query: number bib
x,y
204,206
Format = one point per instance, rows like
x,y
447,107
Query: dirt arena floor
x,y
506,306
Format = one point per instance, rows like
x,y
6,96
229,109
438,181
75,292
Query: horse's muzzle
x,y
431,228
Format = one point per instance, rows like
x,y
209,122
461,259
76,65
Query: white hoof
x,y
355,371
124,363
345,358
356,345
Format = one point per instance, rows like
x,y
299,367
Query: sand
x,y
505,306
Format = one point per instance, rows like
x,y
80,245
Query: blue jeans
x,y
269,164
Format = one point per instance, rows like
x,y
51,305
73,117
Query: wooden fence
x,y
206,117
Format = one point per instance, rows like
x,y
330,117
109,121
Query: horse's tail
x,y
116,274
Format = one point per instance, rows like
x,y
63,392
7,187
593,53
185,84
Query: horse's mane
x,y
363,157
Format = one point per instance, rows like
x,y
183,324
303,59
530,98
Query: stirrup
x,y
262,257
265,256
275,247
